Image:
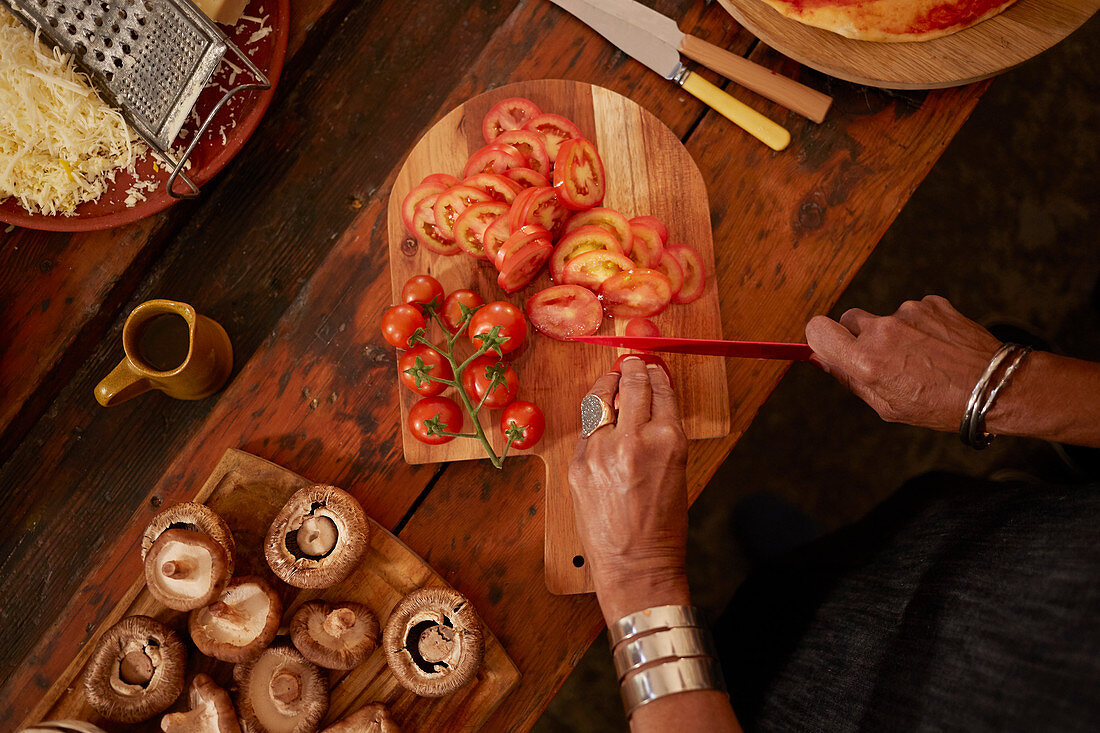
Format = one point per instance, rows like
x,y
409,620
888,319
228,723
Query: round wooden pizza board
x,y
1025,30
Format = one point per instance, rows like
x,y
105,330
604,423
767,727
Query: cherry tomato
x,y
579,178
670,266
399,323
527,417
694,278
591,269
647,244
476,381
499,313
565,311
497,186
641,327
609,219
518,239
494,158
453,202
556,129
617,367
412,200
533,146
496,234
437,367
441,409
527,177
508,114
420,290
425,231
523,265
655,224
639,292
471,225
452,313
577,242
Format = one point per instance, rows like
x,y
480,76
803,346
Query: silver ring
x,y
595,414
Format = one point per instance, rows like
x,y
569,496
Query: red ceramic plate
x,y
224,138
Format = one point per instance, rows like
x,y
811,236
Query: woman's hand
x,y
630,494
917,366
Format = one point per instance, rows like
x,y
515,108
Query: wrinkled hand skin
x,y
629,489
917,366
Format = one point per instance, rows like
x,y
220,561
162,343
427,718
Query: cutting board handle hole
x,y
578,561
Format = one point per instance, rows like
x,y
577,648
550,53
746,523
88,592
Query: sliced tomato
x,y
522,266
477,379
494,158
496,234
527,177
442,179
413,199
609,219
425,231
451,312
670,266
497,186
638,292
565,311
655,224
579,177
556,129
443,410
433,364
508,114
519,239
539,206
641,327
647,244
694,276
579,241
527,418
453,202
472,223
533,146
590,269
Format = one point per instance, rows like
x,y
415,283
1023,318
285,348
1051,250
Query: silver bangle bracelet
x,y
652,619
670,678
969,429
978,436
676,643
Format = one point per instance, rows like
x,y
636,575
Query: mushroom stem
x,y
136,668
435,643
225,612
317,536
338,622
177,569
286,687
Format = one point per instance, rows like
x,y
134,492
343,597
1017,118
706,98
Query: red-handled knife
x,y
709,347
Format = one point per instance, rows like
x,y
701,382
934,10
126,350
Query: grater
x,y
150,59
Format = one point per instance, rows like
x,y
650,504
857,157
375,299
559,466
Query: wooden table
x,y
286,249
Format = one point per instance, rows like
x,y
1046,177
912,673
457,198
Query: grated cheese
x,y
60,145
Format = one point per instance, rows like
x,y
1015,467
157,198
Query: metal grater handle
x,y
177,168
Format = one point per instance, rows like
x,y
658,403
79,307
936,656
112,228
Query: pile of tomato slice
x,y
532,198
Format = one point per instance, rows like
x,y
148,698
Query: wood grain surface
x,y
1023,31
274,248
648,172
247,492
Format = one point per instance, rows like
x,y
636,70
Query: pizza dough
x,y
890,20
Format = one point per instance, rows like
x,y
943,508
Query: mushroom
x,y
334,635
433,641
185,569
318,537
63,726
211,711
192,516
281,692
372,718
136,670
238,625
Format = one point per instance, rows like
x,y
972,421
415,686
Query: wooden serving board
x,y
1024,30
648,172
248,492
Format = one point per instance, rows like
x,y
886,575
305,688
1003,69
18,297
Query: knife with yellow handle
x,y
656,41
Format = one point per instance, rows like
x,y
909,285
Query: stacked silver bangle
x,y
662,651
1004,364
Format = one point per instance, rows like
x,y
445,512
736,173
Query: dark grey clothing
x,y
957,605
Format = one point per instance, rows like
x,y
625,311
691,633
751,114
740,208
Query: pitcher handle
x,y
121,384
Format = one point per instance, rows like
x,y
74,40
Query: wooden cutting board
x,y
648,172
248,492
1024,30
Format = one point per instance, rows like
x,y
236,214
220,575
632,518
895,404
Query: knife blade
x,y
652,44
707,347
